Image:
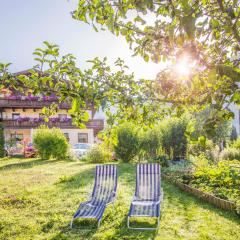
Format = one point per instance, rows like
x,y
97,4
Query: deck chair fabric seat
x,y
144,209
87,210
104,193
147,198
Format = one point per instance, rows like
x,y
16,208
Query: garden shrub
x,y
50,143
99,154
127,145
2,150
200,160
236,144
150,142
230,153
209,149
173,139
162,159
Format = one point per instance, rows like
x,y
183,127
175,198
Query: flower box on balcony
x,y
23,119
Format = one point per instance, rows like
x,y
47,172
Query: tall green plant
x,y
150,142
173,139
1,140
50,143
127,145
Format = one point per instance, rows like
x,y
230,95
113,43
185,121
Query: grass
x,y
38,199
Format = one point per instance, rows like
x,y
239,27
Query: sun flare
x,y
182,67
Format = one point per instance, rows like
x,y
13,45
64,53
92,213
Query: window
x,y
15,116
82,137
17,137
62,116
66,136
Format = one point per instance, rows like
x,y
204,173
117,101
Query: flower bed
x,y
219,185
218,202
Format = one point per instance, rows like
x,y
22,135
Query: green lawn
x,y
38,199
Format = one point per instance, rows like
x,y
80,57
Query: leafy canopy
x,y
202,34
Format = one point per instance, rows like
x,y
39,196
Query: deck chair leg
x,y
99,221
71,224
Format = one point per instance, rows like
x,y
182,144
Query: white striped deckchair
x,y
104,193
148,194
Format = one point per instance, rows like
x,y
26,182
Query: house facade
x,y
21,115
236,121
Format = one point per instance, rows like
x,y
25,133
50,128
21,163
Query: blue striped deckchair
x,y
148,194
104,193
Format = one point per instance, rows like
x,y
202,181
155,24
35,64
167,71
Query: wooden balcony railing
x,y
26,103
96,124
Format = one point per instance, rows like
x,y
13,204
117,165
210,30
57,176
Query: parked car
x,y
80,149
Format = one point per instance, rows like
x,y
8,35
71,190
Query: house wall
x,y
28,133
72,133
25,132
236,121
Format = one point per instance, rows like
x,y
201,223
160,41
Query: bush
x,y
173,139
50,143
150,142
99,154
2,150
162,159
236,144
230,153
127,145
209,150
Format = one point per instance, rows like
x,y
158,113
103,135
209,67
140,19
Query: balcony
x,y
29,102
96,124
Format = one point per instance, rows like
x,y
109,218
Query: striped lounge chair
x,y
148,194
104,193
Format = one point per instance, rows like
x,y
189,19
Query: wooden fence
x,y
218,202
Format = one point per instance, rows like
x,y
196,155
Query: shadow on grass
x,y
123,232
67,233
79,180
86,177
27,164
175,196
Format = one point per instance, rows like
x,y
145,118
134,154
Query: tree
x,y
59,75
205,34
83,88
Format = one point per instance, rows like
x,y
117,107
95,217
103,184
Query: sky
x,y
25,24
